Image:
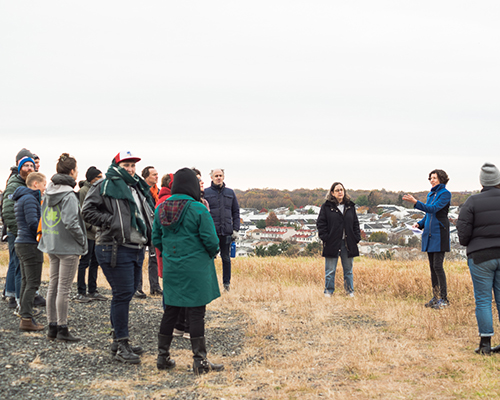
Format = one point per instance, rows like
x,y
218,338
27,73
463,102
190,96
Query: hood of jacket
x,y
24,191
172,211
58,188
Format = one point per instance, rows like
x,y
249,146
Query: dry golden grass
x,y
381,344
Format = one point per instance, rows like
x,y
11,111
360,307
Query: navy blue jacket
x,y
28,210
436,226
224,209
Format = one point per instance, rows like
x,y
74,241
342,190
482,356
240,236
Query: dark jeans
x,y
152,272
31,261
13,280
89,261
225,252
438,276
123,280
195,315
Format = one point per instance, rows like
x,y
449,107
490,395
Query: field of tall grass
x,y
381,344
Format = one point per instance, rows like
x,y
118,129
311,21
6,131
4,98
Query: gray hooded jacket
x,y
63,228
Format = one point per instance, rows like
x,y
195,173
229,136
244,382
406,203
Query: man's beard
x,y
24,174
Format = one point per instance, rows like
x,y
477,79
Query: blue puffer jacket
x,y
436,226
27,209
224,209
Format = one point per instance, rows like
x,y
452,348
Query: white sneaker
x,y
177,333
186,335
328,294
351,294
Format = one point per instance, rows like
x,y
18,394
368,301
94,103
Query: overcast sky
x,y
282,94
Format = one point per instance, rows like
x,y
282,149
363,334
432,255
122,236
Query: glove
x,y
235,235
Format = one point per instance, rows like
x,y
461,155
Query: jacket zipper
x,y
121,220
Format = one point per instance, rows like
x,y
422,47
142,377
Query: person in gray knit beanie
x,y
490,175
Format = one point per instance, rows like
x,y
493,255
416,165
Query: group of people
x,y
113,219
110,223
478,228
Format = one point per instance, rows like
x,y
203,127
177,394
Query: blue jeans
x,y
331,268
123,279
13,280
485,278
225,249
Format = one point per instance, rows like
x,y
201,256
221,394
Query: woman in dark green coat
x,y
184,232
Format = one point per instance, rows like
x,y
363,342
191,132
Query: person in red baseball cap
x,y
121,207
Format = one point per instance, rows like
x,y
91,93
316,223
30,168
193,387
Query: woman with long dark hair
x,y
436,233
64,238
338,228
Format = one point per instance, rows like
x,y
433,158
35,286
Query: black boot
x,y
52,333
200,363
484,346
64,335
114,346
125,353
164,361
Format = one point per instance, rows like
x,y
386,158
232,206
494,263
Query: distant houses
x,y
299,228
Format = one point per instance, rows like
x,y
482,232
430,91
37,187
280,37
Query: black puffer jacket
x,y
331,225
112,216
479,221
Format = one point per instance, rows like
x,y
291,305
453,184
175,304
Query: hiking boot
x,y
139,294
178,333
63,334
200,363
441,304
227,287
39,301
156,291
431,302
52,333
97,296
30,325
114,346
164,361
485,346
81,298
125,353
12,302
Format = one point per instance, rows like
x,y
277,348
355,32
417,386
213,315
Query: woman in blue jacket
x,y
436,233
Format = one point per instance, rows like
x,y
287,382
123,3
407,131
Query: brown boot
x,y
29,325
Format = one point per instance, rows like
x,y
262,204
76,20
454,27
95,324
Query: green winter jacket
x,y
184,232
8,214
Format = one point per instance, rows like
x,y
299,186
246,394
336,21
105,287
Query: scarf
x,y
116,185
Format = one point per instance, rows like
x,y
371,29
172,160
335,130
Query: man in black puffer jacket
x,y
479,229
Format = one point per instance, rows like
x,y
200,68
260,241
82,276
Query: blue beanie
x,y
24,160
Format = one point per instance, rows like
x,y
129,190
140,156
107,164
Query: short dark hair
x,y
441,175
145,171
196,171
65,164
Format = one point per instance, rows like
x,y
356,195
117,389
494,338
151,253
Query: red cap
x,y
126,156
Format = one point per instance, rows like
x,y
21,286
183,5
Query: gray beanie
x,y
489,176
23,153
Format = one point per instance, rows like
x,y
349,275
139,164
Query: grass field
x,y
381,344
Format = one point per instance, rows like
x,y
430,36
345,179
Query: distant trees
x,y
272,220
274,249
261,224
380,237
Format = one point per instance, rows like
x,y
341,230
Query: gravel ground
x,y
32,367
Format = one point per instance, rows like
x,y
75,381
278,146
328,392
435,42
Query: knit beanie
x,y
23,161
92,173
24,153
489,176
